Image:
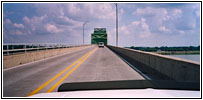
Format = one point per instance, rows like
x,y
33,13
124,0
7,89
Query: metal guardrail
x,y
11,48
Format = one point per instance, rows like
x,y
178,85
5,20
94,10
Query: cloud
x,y
78,11
166,20
156,23
35,24
12,28
18,25
144,29
125,30
52,28
181,32
139,24
121,11
136,23
64,18
139,28
74,9
164,29
26,19
150,11
177,12
99,11
68,16
7,21
18,32
154,16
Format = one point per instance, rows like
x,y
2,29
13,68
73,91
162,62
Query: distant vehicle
x,y
101,44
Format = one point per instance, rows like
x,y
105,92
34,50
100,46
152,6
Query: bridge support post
x,y
25,48
7,49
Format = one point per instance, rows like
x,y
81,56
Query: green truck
x,y
99,35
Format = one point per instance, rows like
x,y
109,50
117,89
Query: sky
x,y
140,24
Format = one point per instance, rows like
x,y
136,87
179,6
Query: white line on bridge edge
x,y
145,76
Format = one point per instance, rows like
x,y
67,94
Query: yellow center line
x,y
56,76
53,87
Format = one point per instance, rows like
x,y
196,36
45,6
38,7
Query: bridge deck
x,y
101,65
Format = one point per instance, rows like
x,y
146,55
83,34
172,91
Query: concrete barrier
x,y
18,59
160,66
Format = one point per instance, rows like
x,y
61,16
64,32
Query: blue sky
x,y
140,24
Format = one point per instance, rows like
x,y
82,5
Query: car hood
x,y
126,89
124,93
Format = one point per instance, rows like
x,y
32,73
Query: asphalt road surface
x,y
92,64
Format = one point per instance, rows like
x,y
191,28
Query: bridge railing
x,y
17,48
159,66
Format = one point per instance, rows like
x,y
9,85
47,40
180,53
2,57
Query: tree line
x,y
165,48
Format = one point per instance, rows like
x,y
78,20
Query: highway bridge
x,y
91,64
